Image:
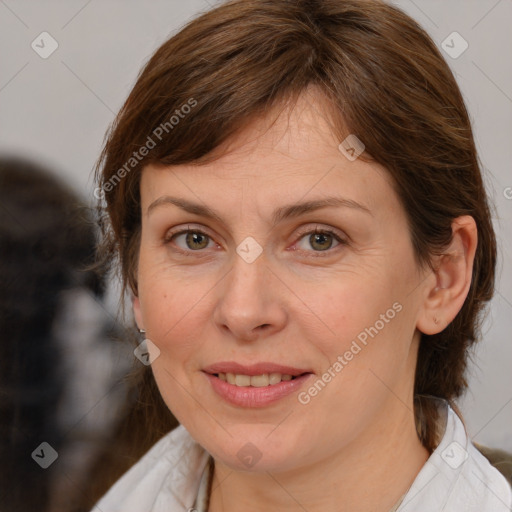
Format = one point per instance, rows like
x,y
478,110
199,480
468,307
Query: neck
x,y
372,473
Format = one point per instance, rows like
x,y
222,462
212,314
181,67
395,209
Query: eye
x,y
195,240
320,240
191,240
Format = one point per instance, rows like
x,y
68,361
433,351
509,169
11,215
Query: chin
x,y
254,460
253,450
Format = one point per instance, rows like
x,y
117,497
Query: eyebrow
x,y
280,214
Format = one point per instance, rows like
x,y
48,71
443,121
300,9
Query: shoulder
x,y
476,484
457,476
500,459
165,478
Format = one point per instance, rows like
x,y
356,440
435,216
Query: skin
x,y
301,307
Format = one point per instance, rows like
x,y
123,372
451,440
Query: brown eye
x,y
194,240
319,241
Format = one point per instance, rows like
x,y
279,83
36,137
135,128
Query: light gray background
x,y
57,110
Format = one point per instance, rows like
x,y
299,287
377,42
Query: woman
x,y
294,196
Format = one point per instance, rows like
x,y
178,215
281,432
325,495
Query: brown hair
x,y
385,81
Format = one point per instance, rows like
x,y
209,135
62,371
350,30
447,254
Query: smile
x,y
252,386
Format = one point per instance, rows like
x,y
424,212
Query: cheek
x,y
176,313
174,310
344,306
360,326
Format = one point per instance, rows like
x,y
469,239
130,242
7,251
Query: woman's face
x,y
235,274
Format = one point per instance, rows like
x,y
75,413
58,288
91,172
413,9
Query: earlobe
x,y
453,276
137,313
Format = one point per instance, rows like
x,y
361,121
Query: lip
x,y
254,369
253,397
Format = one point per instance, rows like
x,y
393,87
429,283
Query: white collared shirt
x,y
455,478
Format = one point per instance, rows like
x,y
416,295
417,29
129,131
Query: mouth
x,y
255,385
256,375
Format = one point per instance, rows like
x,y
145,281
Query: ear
x,y
454,268
137,313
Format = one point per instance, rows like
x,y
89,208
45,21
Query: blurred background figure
x,y
61,373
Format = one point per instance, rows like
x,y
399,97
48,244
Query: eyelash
x,y
168,239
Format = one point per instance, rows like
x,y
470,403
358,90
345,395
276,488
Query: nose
x,y
250,301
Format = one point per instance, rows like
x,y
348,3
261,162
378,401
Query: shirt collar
x,y
457,476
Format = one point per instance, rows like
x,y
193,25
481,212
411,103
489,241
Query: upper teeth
x,y
257,381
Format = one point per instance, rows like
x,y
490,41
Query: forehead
x,y
284,155
300,130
